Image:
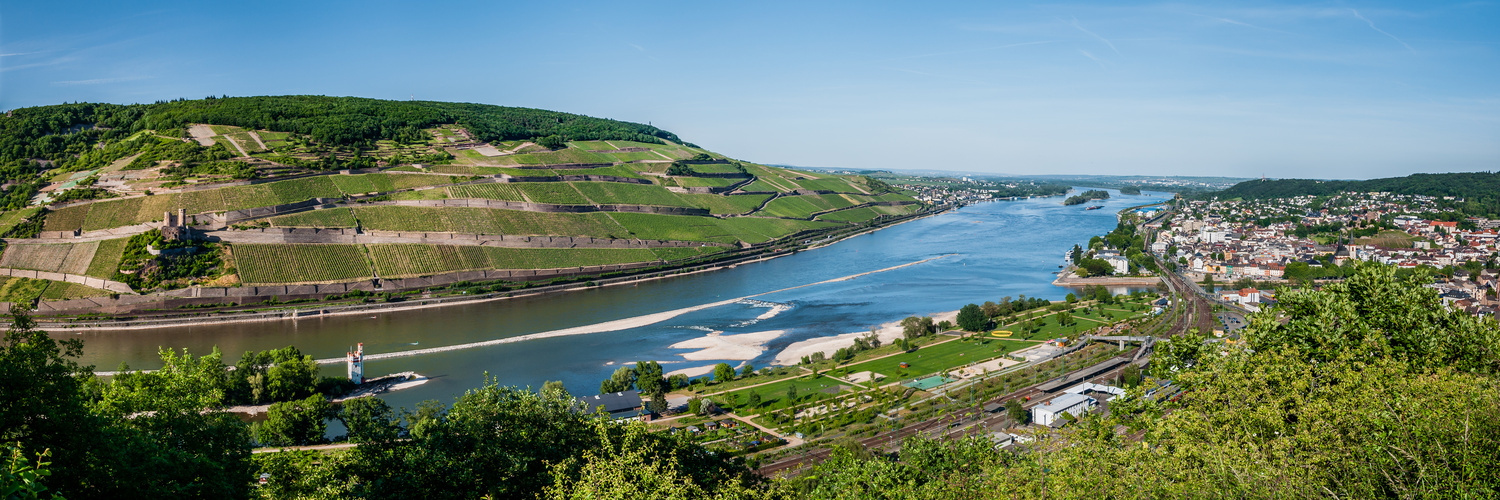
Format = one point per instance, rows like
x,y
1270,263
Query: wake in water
x,y
619,324
775,309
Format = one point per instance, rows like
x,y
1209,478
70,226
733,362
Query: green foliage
x,y
1086,196
1479,190
1017,412
21,479
723,372
972,319
297,422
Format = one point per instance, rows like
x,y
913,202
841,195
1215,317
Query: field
x,y
333,217
1390,239
772,394
731,230
129,211
21,289
382,183
614,193
487,221
555,193
672,254
715,168
704,181
939,357
569,155
717,204
617,171
865,213
58,258
406,260
802,207
107,259
761,185
507,192
9,219
300,263
273,139
62,290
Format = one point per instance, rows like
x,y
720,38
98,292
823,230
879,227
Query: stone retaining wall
x,y
233,216
542,207
272,235
88,281
247,295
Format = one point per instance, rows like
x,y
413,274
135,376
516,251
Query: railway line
x,y
1189,309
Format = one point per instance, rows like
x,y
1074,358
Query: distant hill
x,y
1480,190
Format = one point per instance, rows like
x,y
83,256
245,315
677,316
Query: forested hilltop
x,y
1480,190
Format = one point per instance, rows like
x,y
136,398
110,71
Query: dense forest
x,y
1368,388
1480,190
68,135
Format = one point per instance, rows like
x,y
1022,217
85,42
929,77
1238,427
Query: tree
x,y
747,370
753,401
295,423
791,393
1072,298
1131,375
1017,412
648,376
554,386
913,327
971,318
368,419
723,372
695,406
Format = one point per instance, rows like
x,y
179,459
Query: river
x,y
980,252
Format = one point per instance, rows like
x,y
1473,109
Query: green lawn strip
x,y
370,183
938,358
679,253
617,171
772,395
289,263
332,217
404,260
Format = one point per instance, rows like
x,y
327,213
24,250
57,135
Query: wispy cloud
x,y
100,81
1080,27
1091,56
968,51
1383,32
638,47
19,54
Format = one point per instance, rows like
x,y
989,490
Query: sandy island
x,y
887,333
718,346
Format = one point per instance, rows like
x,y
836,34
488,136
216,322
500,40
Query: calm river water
x,y
992,250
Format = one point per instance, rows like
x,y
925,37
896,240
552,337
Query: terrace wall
x,y
542,207
88,281
301,235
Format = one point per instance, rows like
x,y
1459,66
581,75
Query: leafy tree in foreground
x,y
369,419
292,423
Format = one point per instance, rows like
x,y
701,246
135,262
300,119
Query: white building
x,y
357,364
1049,412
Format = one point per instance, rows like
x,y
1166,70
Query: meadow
x,y
288,263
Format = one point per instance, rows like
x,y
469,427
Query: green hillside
x,y
407,171
1480,190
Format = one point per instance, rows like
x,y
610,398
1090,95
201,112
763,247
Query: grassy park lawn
x,y
771,395
938,358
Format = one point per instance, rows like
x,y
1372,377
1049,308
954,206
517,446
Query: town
x,y
1307,239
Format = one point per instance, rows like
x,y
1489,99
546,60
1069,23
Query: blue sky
x,y
1326,90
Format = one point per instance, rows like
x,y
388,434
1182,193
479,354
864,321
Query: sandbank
x,y
887,333
716,345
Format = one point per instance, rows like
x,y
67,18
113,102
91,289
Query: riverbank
x,y
1069,280
313,311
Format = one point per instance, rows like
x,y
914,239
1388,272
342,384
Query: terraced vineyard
x,y
408,260
372,183
556,193
802,207
865,213
487,221
674,254
614,193
507,192
10,219
332,217
731,230
68,258
286,263
129,211
728,205
62,290
106,260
